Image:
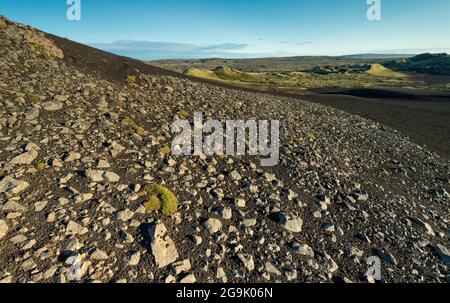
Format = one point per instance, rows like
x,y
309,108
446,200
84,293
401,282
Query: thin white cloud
x,y
152,50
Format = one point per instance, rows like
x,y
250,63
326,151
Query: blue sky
x,y
153,29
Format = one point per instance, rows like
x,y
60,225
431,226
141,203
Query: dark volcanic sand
x,y
424,117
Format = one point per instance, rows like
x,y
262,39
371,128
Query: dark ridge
x,y
107,65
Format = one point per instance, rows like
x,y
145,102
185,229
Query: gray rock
x,y
387,257
443,253
425,226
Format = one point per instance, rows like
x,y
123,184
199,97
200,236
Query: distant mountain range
x,y
376,56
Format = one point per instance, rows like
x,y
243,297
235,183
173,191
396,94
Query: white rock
x,y
11,185
111,177
189,279
3,229
24,158
181,266
290,223
235,175
103,164
72,156
226,213
39,206
163,248
125,215
247,261
74,228
305,250
82,198
134,259
52,105
99,255
95,175
271,269
213,225
240,203
31,114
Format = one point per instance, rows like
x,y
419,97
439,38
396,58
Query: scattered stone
x,y
3,229
163,248
290,223
10,185
213,225
82,198
125,215
95,175
99,255
25,158
111,177
247,261
181,266
272,269
189,279
425,226
387,257
134,259
443,253
52,105
74,228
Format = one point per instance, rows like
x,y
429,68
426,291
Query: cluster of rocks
x,y
72,174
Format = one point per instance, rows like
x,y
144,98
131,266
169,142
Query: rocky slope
x,y
77,150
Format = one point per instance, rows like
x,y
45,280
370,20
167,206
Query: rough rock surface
x,y
72,211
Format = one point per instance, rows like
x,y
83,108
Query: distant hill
x,y
379,70
436,64
374,69
223,73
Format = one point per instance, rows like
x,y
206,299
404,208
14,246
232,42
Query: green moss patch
x,y
134,126
160,199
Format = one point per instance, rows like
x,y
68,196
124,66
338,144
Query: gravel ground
x,y
77,150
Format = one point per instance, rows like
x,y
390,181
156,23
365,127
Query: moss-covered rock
x,y
183,114
161,198
165,150
40,166
131,79
134,126
153,204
